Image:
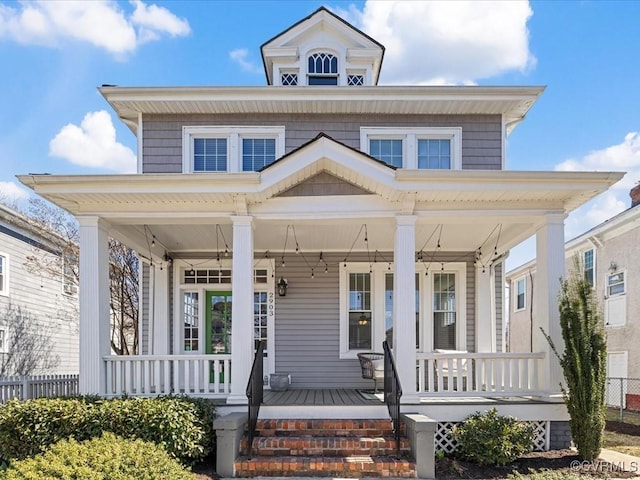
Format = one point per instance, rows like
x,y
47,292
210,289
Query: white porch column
x,y
94,304
241,307
404,304
549,270
485,314
160,310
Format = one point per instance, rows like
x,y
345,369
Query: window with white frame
x,y
288,79
3,341
322,69
615,284
211,149
360,311
520,294
588,259
367,304
4,273
431,148
190,313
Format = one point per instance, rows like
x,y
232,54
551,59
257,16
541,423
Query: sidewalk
x,y
622,461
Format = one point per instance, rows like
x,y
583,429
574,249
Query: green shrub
x,y
490,439
206,414
102,457
183,427
171,423
28,427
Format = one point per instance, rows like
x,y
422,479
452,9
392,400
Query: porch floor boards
x,y
309,396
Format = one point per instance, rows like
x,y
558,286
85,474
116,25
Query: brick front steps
x,y
332,448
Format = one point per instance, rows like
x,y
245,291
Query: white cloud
x,y
101,23
12,194
445,42
239,55
624,156
93,144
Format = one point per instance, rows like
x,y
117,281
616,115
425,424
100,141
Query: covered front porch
x,y
367,254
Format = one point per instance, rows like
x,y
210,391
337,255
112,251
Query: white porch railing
x,y
36,386
478,374
151,375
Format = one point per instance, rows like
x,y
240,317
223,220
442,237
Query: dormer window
x,y
323,69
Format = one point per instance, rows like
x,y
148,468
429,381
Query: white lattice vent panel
x,y
540,436
444,441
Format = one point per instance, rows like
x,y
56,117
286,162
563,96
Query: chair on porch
x,y
372,366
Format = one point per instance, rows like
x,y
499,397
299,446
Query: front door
x,y
218,327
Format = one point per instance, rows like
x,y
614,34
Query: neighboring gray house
x,y
335,213
50,300
609,252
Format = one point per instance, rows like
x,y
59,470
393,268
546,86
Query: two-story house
x,y
38,309
324,213
608,254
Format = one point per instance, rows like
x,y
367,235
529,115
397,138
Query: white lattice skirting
x,y
445,442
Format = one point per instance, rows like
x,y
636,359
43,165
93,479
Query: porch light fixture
x,y
282,287
363,320
613,266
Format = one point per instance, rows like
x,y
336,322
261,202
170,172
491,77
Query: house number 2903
x,y
271,304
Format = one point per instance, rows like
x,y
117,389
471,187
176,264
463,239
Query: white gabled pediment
x,y
325,156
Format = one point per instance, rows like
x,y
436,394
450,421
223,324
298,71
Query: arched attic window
x,y
322,69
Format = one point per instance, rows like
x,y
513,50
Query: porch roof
x,y
111,195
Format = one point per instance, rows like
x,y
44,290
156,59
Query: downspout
x,y
494,309
152,302
139,143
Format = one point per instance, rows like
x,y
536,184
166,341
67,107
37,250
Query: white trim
x,y
234,135
624,284
410,137
3,340
379,270
515,293
179,288
460,270
4,290
140,143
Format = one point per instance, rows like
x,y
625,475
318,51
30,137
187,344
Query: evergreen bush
x,y
583,361
107,456
182,426
490,439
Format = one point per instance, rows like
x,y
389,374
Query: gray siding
x,y
55,313
162,139
307,328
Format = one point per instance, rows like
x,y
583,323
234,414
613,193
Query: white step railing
x,y
36,386
151,375
479,374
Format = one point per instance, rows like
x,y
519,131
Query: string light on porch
x,y
421,253
300,251
479,255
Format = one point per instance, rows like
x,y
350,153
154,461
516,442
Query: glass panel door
x,y
218,326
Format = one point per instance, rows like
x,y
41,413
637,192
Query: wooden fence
x,y
36,386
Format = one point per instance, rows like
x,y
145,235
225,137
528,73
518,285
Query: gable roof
x,y
322,14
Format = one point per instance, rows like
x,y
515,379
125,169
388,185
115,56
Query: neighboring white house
x,y
52,301
386,210
609,253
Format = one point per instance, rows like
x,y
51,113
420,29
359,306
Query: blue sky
x,y
54,55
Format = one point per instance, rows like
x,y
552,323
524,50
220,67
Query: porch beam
x,y
241,307
550,269
404,304
94,304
